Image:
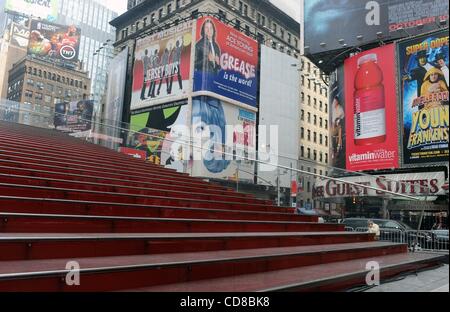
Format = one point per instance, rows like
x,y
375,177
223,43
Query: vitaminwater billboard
x,y
225,62
424,82
371,110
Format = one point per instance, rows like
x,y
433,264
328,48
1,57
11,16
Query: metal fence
x,y
416,240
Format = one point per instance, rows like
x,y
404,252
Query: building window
x,y
309,135
315,137
315,120
302,151
326,141
326,124
309,117
321,139
302,116
302,132
309,154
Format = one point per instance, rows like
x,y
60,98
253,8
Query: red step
x,y
57,246
100,187
8,170
337,276
41,223
118,273
17,190
72,207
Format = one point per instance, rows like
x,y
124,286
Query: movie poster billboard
x,y
53,42
162,70
161,131
44,9
74,116
338,137
333,25
222,130
371,110
117,76
424,82
225,62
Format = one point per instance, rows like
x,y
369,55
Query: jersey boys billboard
x,y
423,65
162,66
371,110
225,62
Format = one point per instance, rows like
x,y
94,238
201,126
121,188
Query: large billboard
x,y
424,82
19,35
161,70
222,130
225,62
44,9
338,137
159,129
117,76
53,42
74,116
332,25
371,110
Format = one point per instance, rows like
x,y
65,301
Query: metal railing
x,y
416,240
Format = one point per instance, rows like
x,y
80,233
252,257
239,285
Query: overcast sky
x,y
292,7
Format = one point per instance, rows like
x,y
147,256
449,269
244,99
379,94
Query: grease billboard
x,y
424,82
162,69
371,110
225,62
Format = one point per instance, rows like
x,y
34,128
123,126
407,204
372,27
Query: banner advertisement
x,y
338,137
371,110
412,184
53,42
218,126
161,134
116,88
424,77
20,35
333,25
225,61
74,116
44,9
161,70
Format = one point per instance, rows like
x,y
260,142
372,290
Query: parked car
x,y
441,235
392,230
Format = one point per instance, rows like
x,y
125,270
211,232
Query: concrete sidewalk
x,y
436,280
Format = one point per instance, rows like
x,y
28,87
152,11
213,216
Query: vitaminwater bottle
x,y
369,102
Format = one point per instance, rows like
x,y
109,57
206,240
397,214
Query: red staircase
x,y
137,226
